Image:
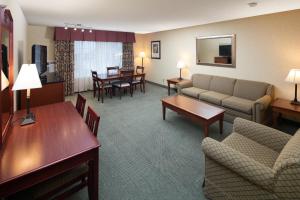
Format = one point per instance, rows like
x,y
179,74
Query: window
x,y
94,56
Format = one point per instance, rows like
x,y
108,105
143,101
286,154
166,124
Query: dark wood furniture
x,y
112,70
125,82
52,91
194,109
7,68
97,86
222,60
139,80
92,120
173,81
104,78
284,107
80,104
58,142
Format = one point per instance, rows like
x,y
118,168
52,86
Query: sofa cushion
x,y
222,85
290,153
192,91
201,81
252,149
213,97
251,90
235,103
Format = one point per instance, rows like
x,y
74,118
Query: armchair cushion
x,y
192,91
263,135
213,97
240,104
239,163
252,149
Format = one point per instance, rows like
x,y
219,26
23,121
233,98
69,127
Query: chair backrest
x,y
80,104
92,120
112,70
127,76
95,79
139,69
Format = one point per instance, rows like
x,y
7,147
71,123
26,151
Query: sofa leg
x,y
203,184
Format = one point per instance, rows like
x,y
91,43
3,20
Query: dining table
x,y
105,78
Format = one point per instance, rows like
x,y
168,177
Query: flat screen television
x,y
224,50
39,57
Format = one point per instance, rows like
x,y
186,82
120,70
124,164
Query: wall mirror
x,y
216,50
6,67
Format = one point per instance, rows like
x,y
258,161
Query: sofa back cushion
x,y
251,90
201,81
290,154
222,85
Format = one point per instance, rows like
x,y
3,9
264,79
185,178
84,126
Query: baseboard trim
x,y
157,84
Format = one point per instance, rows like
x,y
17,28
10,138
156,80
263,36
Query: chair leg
x,y
99,95
203,184
131,90
120,93
110,92
141,87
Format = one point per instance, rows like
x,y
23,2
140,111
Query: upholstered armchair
x,y
254,162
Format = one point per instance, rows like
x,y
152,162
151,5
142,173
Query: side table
x,y
283,107
173,81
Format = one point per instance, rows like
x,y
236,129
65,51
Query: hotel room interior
x,y
150,100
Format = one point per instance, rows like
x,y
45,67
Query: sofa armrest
x,y
183,84
263,103
239,163
262,134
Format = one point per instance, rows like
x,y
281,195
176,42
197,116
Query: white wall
x,y
267,47
20,35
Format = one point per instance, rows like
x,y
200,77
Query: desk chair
x,y
97,86
125,82
80,104
140,80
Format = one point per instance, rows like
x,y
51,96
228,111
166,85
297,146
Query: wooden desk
x,y
284,107
58,141
173,81
106,78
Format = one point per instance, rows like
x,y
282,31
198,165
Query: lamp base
x,y
180,78
28,119
295,102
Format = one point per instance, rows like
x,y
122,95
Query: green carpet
x,y
143,157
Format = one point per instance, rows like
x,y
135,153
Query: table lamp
x,y
294,77
28,78
4,81
180,65
142,55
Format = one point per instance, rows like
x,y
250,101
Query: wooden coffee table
x,y
194,109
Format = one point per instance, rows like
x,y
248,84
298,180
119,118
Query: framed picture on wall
x,y
155,49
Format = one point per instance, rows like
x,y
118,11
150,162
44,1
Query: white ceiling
x,y
144,16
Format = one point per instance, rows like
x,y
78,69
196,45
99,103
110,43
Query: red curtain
x,y
95,35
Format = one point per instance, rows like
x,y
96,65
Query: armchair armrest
x,y
183,84
262,134
239,163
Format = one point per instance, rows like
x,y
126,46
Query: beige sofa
x,y
254,162
240,98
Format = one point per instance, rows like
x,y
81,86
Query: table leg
x,y
275,116
206,128
93,177
221,123
169,88
102,91
164,111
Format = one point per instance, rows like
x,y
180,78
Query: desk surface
x,y
58,134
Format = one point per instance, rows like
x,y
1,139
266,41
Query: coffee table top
x,y
193,106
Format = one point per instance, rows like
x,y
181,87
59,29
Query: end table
x,y
173,81
284,107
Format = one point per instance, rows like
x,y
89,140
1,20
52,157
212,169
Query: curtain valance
x,y
96,35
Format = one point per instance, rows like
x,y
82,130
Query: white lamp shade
x,y
142,54
293,76
28,78
180,64
4,81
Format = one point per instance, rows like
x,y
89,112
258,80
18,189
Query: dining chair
x,y
80,104
139,80
67,183
112,70
92,120
97,86
126,79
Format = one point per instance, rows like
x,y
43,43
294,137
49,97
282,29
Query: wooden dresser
x,y
51,92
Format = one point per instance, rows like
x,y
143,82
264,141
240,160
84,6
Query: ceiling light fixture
x,y
78,26
252,4
82,30
91,31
